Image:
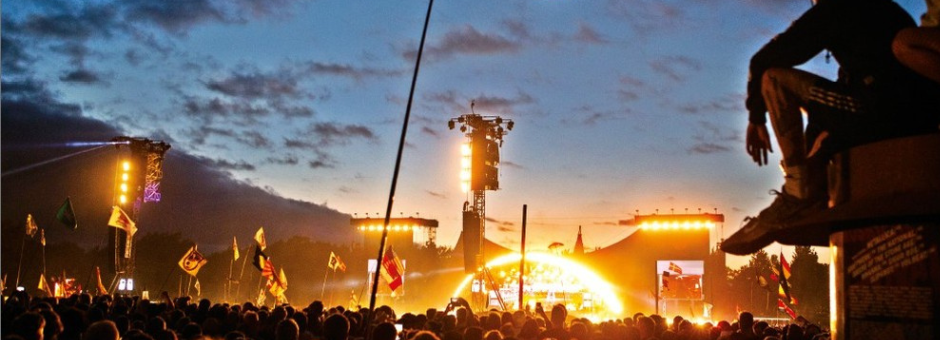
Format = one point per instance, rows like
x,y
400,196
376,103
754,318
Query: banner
x,y
259,237
392,270
192,261
31,227
66,214
235,248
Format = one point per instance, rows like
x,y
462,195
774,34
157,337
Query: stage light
x,y
122,285
122,199
127,166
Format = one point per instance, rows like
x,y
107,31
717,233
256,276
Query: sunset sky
x,y
620,106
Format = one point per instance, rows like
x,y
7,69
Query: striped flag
x,y
392,270
675,268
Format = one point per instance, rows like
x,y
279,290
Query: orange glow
x,y
567,270
122,199
127,166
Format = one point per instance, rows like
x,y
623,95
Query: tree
x,y
809,283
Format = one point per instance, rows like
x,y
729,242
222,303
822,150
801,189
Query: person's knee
x,y
903,43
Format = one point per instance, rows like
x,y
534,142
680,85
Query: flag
x,y
101,289
42,237
66,214
44,286
259,259
235,248
784,280
259,237
675,268
119,219
31,227
783,306
277,285
192,261
261,297
268,269
198,288
392,269
336,263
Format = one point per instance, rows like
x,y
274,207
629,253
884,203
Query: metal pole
x,y
22,250
522,260
242,274
401,146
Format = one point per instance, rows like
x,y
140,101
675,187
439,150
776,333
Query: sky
x,y
619,106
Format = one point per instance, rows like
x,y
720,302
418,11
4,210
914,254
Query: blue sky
x,y
620,106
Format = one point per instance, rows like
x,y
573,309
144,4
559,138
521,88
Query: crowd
x,y
82,316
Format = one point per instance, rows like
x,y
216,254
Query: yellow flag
x,y
44,286
259,237
119,219
101,289
192,261
235,248
31,227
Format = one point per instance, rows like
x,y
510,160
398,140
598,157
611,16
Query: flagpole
x,y
189,284
44,259
230,278
323,288
179,292
22,250
242,273
332,289
401,146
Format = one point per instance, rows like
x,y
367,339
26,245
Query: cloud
x,y
339,134
286,160
502,226
730,103
82,76
436,194
346,70
430,132
209,110
257,85
676,68
225,164
648,16
711,138
482,102
588,115
174,17
253,139
588,34
511,164
196,192
465,41
90,21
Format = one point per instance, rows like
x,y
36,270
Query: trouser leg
x,y
785,92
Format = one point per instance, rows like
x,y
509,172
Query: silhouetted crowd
x,y
83,316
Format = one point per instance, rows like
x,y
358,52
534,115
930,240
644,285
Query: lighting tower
x,y
479,173
137,181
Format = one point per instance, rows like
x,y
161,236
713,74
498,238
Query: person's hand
x,y
758,143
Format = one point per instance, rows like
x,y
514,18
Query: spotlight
x,y
463,128
510,125
450,124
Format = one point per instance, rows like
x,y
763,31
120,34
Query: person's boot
x,y
797,199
